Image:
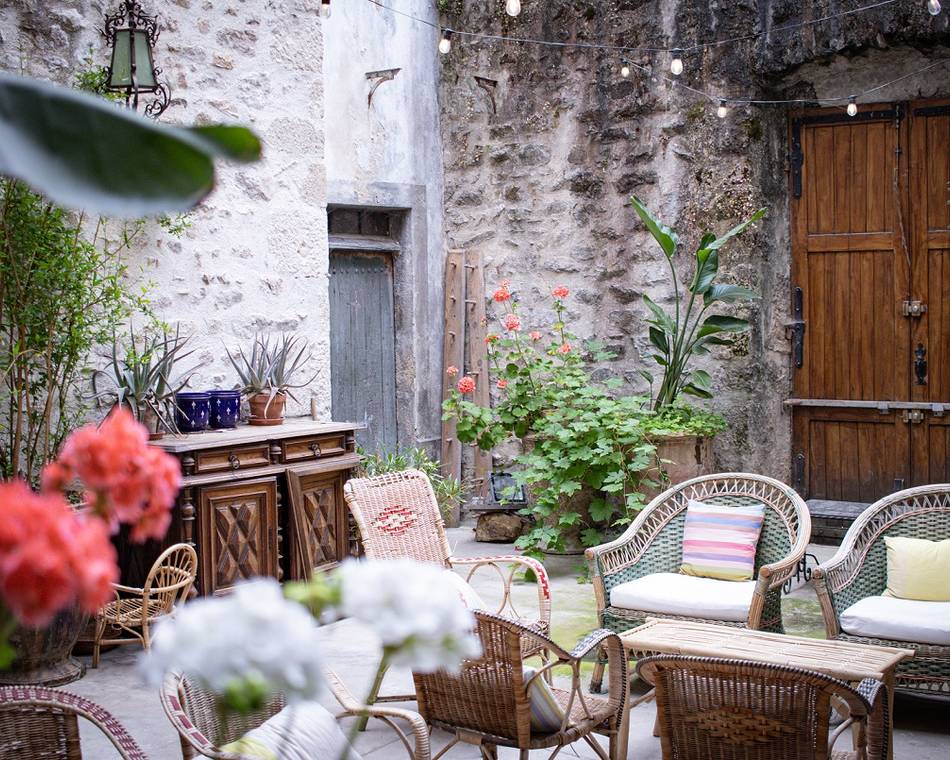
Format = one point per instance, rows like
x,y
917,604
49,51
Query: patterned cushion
x,y
470,597
719,542
298,732
546,712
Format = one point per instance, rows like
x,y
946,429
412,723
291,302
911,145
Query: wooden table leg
x,y
890,682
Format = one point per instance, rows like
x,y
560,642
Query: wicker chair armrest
x,y
590,642
516,562
418,749
131,590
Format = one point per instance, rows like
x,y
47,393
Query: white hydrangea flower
x,y
420,617
252,633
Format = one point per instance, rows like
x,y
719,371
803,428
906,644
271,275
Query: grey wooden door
x,y
362,345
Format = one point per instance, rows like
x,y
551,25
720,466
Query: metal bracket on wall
x,y
383,75
488,85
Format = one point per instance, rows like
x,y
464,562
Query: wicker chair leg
x,y
97,641
489,751
597,677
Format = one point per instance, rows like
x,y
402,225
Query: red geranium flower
x,y
502,294
560,292
491,338
502,384
512,322
564,348
535,335
466,384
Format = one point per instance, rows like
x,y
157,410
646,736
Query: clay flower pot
x,y
264,413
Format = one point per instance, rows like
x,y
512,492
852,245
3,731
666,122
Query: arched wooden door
x,y
871,266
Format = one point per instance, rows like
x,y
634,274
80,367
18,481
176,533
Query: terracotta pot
x,y
44,657
681,457
152,422
263,413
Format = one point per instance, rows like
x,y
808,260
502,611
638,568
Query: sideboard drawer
x,y
313,447
238,458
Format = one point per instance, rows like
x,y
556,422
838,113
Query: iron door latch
x,y
913,308
915,416
795,329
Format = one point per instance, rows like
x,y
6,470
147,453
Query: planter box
x,y
680,457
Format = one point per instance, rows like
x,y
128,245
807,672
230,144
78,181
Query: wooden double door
x,y
871,298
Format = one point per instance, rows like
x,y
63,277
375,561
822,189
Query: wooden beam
x,y
453,354
477,356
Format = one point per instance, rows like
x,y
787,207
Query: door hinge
x,y
913,308
795,329
914,416
798,471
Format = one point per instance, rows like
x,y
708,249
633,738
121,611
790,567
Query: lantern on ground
x,y
132,35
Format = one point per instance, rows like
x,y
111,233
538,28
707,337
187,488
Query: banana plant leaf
x,y
83,152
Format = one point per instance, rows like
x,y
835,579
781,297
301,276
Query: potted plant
x,y
683,435
267,375
584,450
139,377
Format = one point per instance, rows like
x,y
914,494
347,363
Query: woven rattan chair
x,y
653,544
487,702
36,722
129,617
193,711
740,710
859,570
398,516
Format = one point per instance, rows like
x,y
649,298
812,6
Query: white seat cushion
x,y
298,732
887,617
675,594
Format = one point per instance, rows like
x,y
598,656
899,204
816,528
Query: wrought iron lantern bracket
x,y
126,26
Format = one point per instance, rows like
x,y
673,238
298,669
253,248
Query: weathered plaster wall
x,y
389,154
542,186
255,257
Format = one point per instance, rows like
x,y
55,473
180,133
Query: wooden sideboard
x,y
257,501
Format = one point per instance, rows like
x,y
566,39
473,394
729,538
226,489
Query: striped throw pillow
x,y
719,542
546,712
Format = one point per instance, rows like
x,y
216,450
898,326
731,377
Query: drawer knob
x,y
315,448
234,460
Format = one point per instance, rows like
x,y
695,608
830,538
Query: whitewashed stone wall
x,y
255,256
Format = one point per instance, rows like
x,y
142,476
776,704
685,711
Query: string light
x,y
723,111
933,6
852,107
325,8
445,44
513,7
624,68
676,65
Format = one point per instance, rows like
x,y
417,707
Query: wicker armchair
x,y
859,570
36,722
653,544
487,702
193,712
398,516
129,617
735,709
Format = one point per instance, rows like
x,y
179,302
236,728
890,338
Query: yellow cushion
x,y
918,569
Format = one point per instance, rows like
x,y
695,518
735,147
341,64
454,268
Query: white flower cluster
x,y
252,634
419,615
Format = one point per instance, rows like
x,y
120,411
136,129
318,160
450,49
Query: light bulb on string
x,y
325,8
513,7
676,65
852,107
624,68
445,44
933,7
723,111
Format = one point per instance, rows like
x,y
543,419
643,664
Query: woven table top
x,y
844,660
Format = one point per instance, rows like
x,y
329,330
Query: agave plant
x,y
271,369
691,329
140,375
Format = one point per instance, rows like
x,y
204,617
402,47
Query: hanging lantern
x,y
132,34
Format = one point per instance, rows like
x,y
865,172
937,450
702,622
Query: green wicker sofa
x,y
653,544
859,570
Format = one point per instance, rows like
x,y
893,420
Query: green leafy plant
x,y
681,419
449,492
140,376
586,450
272,367
691,330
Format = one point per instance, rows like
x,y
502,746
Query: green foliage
x,y
681,419
449,492
272,367
61,293
689,331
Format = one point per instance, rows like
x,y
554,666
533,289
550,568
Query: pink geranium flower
x,y
512,322
560,292
564,348
502,294
535,335
466,385
452,371
502,384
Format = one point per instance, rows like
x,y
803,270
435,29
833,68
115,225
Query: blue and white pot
x,y
225,408
192,412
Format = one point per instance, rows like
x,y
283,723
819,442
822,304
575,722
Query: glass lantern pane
x,y
120,74
144,74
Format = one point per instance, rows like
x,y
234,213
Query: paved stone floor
x,y
923,727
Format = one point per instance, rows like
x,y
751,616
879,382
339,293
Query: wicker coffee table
x,y
843,660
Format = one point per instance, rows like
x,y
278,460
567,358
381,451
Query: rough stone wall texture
x,y
542,186
255,256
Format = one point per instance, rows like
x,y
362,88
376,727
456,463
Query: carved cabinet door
x,y
237,537
318,523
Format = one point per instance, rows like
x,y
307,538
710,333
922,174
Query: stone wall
x,y
255,256
541,186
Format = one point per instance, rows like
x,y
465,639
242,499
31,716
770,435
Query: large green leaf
x,y
84,152
663,320
700,378
737,230
693,390
719,323
663,235
707,265
727,294
659,339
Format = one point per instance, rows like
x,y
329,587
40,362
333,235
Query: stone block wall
x,y
255,256
540,181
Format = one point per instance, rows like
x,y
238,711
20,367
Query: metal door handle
x,y
920,364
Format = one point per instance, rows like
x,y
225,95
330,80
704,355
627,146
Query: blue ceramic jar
x,y
225,408
192,411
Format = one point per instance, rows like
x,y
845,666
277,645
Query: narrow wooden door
x,y
318,522
362,345
869,237
237,533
